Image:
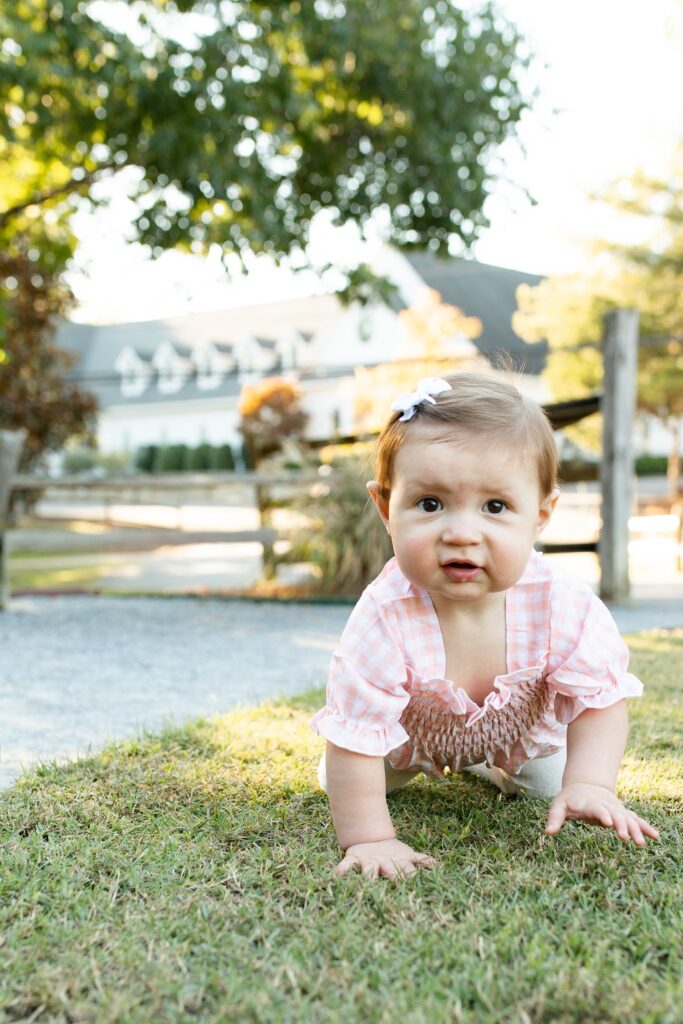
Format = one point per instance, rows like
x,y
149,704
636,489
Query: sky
x,y
610,101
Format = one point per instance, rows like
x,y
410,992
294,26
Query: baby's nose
x,y
461,528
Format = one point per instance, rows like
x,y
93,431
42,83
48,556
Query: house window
x,y
135,372
212,363
208,371
170,378
172,368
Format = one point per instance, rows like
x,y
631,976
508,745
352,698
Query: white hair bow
x,y
425,389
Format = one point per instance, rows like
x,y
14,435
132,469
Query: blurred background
x,y
233,232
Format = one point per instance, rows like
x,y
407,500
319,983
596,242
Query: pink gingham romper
x,y
387,695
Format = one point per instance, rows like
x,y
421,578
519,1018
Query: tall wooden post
x,y
620,346
10,450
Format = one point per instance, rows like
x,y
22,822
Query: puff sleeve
x,y
366,691
588,658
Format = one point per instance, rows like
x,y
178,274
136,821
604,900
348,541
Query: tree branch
x,y
73,185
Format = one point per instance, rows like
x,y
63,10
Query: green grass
x,y
47,578
188,877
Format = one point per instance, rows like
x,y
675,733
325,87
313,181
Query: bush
x,y
651,465
146,457
222,457
177,458
199,458
346,541
171,459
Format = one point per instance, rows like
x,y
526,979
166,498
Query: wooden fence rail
x,y
620,341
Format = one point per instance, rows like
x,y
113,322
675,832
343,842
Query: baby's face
x,y
464,512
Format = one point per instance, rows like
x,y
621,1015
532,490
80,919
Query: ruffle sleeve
x,y
590,658
366,691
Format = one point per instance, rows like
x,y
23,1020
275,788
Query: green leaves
x,y
647,276
35,394
259,115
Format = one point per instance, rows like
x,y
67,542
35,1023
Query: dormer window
x,y
268,358
212,363
173,368
136,372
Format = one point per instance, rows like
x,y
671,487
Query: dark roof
x,y
488,293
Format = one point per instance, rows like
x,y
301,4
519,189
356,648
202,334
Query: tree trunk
x,y
673,470
11,442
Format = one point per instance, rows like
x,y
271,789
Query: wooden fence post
x,y
620,347
11,442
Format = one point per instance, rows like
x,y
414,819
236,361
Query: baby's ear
x,y
380,498
547,508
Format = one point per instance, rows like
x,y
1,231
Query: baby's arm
x,y
356,789
595,747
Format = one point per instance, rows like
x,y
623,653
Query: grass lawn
x,y
188,877
48,578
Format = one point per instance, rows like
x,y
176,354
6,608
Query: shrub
x,y
146,457
199,458
222,457
171,459
651,465
346,540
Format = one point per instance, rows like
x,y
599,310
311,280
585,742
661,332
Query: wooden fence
x,y
620,342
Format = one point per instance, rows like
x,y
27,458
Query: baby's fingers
x,y
397,869
639,828
646,828
621,826
557,816
634,830
425,861
348,864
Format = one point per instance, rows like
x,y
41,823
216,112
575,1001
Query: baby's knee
x,y
541,778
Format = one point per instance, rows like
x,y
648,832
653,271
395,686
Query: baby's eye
x,y
429,505
495,506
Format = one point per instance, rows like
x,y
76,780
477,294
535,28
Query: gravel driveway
x,y
76,672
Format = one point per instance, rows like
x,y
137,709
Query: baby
x,y
469,650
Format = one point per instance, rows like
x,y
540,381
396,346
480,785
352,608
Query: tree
x,y
271,412
241,120
35,248
34,393
567,311
647,276
245,119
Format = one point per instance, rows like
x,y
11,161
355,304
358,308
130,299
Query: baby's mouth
x,y
461,571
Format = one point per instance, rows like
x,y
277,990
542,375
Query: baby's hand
x,y
598,805
389,858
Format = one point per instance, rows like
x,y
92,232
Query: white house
x,y
178,380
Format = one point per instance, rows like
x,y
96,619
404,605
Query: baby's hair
x,y
483,404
